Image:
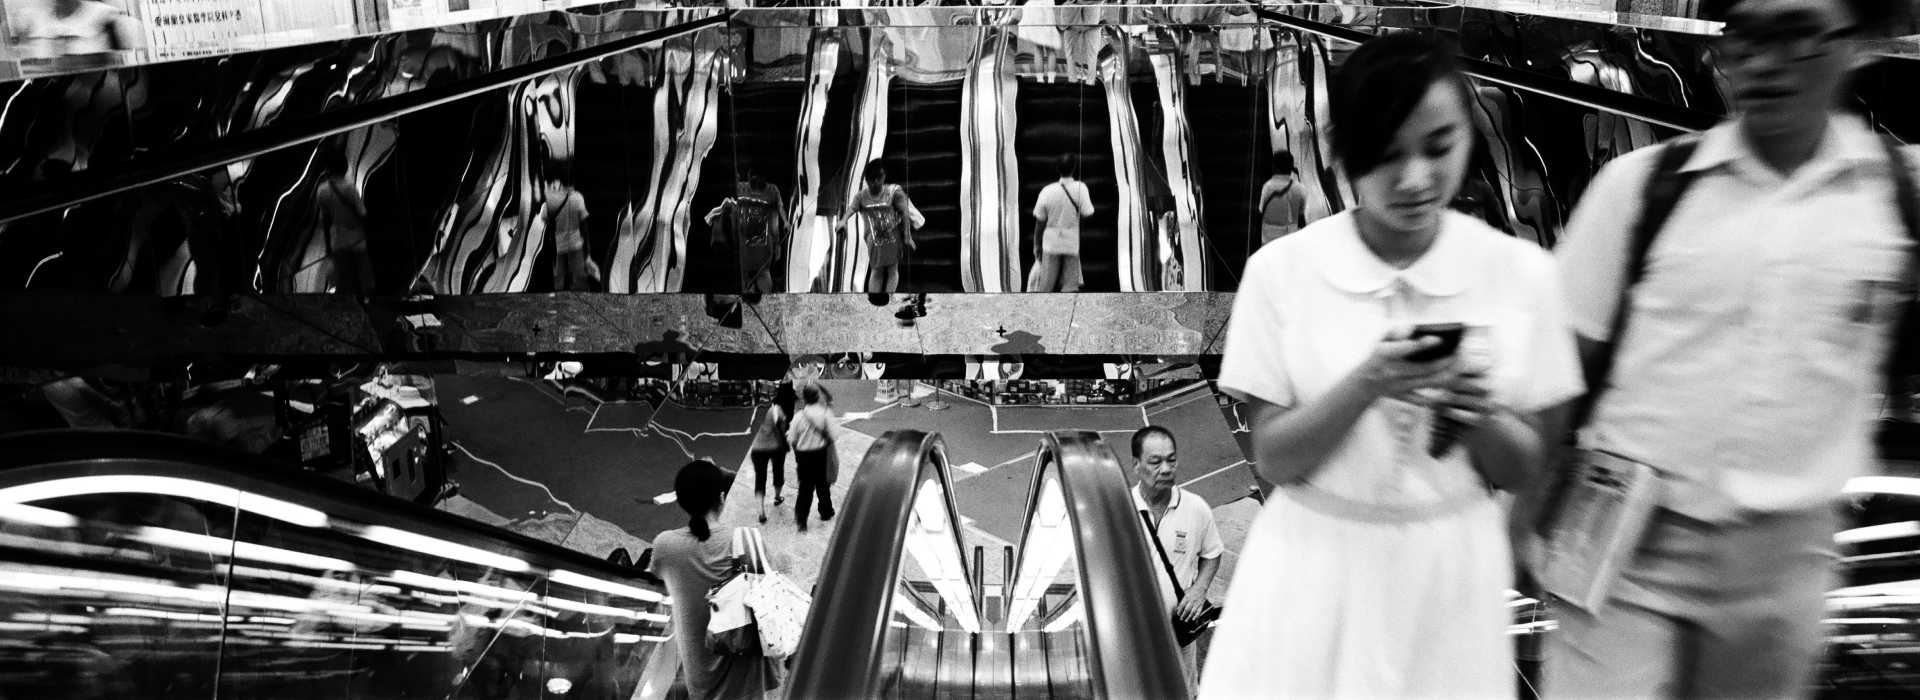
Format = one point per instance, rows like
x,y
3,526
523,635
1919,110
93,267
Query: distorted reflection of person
x,y
888,221
55,28
1379,568
693,560
1056,220
754,220
1283,206
565,210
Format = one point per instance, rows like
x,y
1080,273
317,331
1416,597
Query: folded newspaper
x,y
1591,535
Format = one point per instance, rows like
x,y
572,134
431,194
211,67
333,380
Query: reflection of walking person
x,y
73,28
890,222
1057,215
566,212
811,435
755,219
1283,208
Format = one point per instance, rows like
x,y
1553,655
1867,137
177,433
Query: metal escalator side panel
x,y
1129,645
1176,144
1134,227
844,647
812,236
990,220
650,254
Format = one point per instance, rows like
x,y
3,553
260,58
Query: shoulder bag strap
x,y
1153,533
1904,362
1664,188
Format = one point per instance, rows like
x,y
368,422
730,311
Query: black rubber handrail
x,y
1627,105
54,195
841,650
1133,653
45,455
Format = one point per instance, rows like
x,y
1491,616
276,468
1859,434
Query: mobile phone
x,y
1449,335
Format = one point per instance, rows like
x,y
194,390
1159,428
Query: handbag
x,y
1594,525
780,610
730,624
1184,631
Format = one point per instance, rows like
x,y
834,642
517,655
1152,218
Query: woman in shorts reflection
x,y
1379,566
890,220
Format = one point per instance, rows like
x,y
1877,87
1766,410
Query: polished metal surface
x,y
623,159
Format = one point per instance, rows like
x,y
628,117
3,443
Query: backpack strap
x,y
1662,195
1904,362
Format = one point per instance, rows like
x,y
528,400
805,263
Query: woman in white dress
x,y
1377,570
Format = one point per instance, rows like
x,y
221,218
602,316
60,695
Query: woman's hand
x,y
1389,374
1466,399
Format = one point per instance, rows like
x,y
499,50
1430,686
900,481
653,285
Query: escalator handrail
x,y
1624,104
1133,651
39,456
54,195
841,648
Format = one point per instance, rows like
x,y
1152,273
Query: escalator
x,y
1233,160
1058,118
923,154
756,123
1070,624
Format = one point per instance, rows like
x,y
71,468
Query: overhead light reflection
x,y
218,546
579,580
1875,533
35,515
441,548
165,486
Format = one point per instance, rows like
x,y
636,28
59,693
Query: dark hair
x,y
699,487
1376,90
810,394
1067,165
752,176
1283,163
1140,438
1873,17
874,171
785,398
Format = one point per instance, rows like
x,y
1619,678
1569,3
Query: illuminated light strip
x,y
629,638
359,587
465,587
1868,621
333,645
54,618
908,609
243,550
1066,619
1907,587
26,580
268,620
1875,533
166,486
424,648
441,548
1520,602
35,515
167,615
1891,485
578,580
40,627
592,609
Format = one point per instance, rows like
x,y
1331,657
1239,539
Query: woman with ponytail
x,y
692,560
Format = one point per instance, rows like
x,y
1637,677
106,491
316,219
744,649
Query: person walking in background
x,y
890,220
692,560
1283,207
1735,295
770,447
54,28
1181,523
1378,567
811,435
565,210
1056,216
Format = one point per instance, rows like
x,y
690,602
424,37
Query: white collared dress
x,y
1384,574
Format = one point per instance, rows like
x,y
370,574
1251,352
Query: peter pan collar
x,y
1444,270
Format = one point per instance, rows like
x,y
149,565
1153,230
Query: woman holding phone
x,y
1378,569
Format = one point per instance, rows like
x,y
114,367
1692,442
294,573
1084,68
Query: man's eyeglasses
x,y
1790,43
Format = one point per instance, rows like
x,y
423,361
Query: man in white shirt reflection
x,y
1183,523
54,28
